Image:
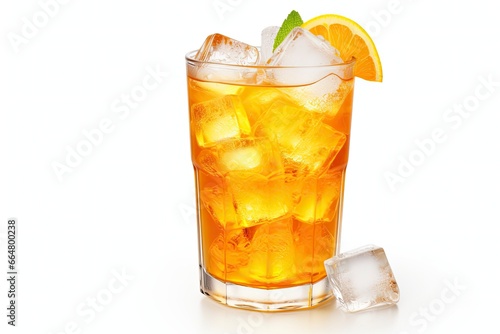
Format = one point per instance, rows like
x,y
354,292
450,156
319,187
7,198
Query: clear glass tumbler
x,y
269,148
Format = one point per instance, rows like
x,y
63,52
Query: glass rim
x,y
190,59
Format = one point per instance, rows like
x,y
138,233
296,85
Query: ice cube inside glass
x,y
362,279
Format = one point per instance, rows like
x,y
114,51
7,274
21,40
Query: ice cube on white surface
x,y
362,279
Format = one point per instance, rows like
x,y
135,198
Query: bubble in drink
x,y
362,278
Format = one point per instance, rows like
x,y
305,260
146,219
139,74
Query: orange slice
x,y
351,40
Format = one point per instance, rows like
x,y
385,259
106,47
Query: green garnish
x,y
293,20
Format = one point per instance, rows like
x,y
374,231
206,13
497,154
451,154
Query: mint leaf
x,y
293,20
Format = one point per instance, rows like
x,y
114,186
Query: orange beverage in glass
x,y
269,161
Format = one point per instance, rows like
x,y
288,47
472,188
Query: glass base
x,y
273,300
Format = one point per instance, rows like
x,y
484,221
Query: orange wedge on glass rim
x,y
351,40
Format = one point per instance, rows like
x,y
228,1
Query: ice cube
x,y
221,49
257,198
229,252
315,152
219,119
241,155
318,198
362,278
218,48
200,91
325,96
272,255
245,174
219,203
308,146
302,48
245,199
249,154
258,99
267,43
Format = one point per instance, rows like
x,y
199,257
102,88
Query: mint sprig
x,y
293,20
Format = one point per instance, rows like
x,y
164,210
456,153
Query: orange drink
x,y
270,146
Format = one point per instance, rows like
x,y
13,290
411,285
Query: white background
x,y
128,205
